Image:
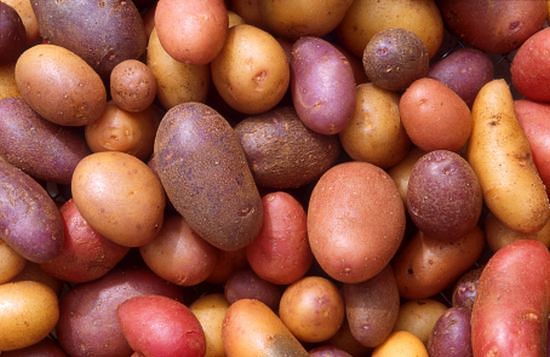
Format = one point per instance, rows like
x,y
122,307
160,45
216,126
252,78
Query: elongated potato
x,y
500,155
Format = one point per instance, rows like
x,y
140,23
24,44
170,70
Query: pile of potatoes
x,y
274,178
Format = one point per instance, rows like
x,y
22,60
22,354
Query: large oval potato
x,y
356,221
59,85
111,31
204,171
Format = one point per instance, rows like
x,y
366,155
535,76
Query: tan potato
x,y
29,312
133,86
251,73
498,235
26,13
120,197
210,310
419,317
399,344
59,85
8,85
500,155
249,10
11,263
425,266
250,328
177,82
296,18
375,133
401,172
364,18
234,19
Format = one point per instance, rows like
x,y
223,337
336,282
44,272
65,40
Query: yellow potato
x,y
210,311
401,172
28,312
8,86
498,235
11,263
501,157
401,344
419,317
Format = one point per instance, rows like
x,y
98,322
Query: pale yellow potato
x,y
8,86
419,317
234,19
210,311
11,263
401,172
501,157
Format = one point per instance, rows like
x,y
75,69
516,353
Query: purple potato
x,y
245,284
465,291
451,334
13,37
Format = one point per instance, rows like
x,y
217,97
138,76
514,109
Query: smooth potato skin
x,y
13,38
111,31
509,316
500,155
282,152
355,221
204,171
11,263
45,348
451,336
419,317
245,284
465,289
210,310
31,224
43,149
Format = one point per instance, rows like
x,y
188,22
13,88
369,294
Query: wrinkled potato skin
x,y
512,188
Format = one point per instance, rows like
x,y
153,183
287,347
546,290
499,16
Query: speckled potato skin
x,y
42,149
110,32
30,222
282,152
203,169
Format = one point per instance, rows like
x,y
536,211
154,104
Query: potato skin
x,y
465,289
355,221
210,310
282,152
509,316
29,312
42,149
250,328
512,188
11,263
245,284
13,38
401,343
59,85
372,308
419,317
31,223
111,31
451,335
45,348
133,86
204,171
499,235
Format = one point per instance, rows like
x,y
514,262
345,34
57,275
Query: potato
x,y
280,254
234,19
505,168
26,13
426,266
451,334
498,235
312,309
282,152
8,86
533,118
434,116
13,38
293,19
401,343
29,312
176,82
59,85
375,133
394,58
129,132
364,18
30,222
401,172
372,308
45,348
192,31
158,325
419,317
210,310
465,71
250,328
344,340
86,255
95,304
465,290
245,284
178,255
251,72
133,86
355,221
11,263
510,314
495,27
227,264
204,171
132,214
322,86
33,272
111,32
444,198
328,351
41,148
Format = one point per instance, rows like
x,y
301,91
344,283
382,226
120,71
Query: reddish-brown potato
x,y
280,254
45,348
13,38
133,85
227,264
245,284
356,221
33,272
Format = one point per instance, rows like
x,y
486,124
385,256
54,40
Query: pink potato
x,y
156,325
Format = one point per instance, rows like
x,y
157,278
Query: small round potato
x,y
133,85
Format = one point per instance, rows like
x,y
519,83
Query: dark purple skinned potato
x,y
245,284
30,221
12,34
45,348
465,290
322,85
451,334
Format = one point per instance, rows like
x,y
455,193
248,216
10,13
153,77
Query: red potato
x,y
280,254
158,326
227,263
510,314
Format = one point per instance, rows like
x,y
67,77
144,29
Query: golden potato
x,y
11,263
210,310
